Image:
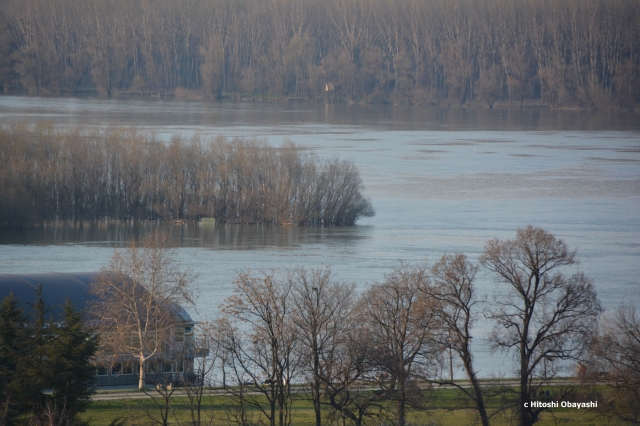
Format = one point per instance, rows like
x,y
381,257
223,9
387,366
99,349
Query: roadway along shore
x,y
118,394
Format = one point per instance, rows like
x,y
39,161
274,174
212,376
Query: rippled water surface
x,y
441,180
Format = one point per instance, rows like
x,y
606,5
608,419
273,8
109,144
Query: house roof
x,y
57,287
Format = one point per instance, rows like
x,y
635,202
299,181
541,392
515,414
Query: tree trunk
x,y
400,405
482,411
316,403
141,374
316,387
524,393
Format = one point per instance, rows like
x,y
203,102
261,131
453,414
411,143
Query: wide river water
x,y
440,180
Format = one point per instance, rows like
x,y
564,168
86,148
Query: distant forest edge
x,y
79,174
561,53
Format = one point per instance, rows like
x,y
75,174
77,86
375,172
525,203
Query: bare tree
x,y
234,366
615,356
262,343
489,85
454,289
161,397
350,375
139,300
544,315
322,309
401,326
199,381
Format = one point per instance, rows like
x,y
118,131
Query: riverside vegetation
x,y
574,53
78,174
298,347
378,357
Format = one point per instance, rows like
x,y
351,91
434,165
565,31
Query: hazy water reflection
x,y
298,115
222,236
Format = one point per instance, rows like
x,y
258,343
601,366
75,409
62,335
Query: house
x,y
171,365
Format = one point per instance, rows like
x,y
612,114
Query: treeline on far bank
x,y
569,53
79,174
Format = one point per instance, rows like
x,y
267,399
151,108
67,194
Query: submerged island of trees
x,y
574,53
77,174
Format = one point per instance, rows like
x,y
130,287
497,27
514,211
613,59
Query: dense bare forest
x,y
76,174
573,53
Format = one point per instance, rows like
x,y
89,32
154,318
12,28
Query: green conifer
x,y
13,348
47,374
71,373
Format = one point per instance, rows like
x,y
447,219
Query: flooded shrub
x,y
80,174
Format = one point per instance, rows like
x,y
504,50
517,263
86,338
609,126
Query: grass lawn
x,y
443,408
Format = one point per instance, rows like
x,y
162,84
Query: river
x,y
440,180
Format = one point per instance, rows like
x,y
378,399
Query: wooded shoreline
x,y
565,54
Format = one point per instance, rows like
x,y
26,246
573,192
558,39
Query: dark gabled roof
x,y
57,287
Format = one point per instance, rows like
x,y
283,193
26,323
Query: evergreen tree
x,y
34,365
46,370
13,348
71,374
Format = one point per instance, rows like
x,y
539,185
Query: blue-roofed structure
x,y
57,287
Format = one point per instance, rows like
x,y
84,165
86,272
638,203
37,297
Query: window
x,y
119,368
102,370
166,366
151,367
179,334
183,333
127,369
188,333
133,340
